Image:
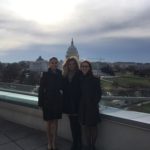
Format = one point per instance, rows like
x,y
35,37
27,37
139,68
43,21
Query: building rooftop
x,y
18,137
131,129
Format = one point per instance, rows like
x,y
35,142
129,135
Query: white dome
x,y
72,51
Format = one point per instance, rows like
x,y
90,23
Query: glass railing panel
x,y
28,94
126,91
141,104
17,98
19,88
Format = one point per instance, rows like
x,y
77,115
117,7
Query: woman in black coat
x,y
89,108
71,98
50,100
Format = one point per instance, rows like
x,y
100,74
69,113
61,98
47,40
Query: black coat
x,y
90,97
71,94
50,95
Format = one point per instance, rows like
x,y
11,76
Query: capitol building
x,y
72,51
41,65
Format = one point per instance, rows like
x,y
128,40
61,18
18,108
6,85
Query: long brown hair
x,y
90,66
66,65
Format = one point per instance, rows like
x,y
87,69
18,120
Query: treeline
x,y
113,69
18,73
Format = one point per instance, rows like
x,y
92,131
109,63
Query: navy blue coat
x,y
71,94
90,98
50,92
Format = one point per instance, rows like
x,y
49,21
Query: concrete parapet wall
x,y
113,135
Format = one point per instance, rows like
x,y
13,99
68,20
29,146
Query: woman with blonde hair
x,y
50,100
71,98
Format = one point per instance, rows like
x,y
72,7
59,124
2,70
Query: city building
x,y
39,65
72,51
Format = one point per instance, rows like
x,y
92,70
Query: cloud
x,y
16,32
112,20
90,22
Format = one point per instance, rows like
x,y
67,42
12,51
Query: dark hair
x,y
53,58
90,66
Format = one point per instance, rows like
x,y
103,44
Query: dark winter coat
x,y
71,94
90,97
50,92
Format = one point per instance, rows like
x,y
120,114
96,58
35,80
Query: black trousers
x,y
76,131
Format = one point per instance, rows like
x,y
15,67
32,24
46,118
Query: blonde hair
x,y
66,65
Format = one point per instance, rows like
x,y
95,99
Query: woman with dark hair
x,y
50,100
71,98
89,108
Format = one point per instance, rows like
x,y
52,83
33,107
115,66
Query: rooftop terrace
x,y
118,130
19,137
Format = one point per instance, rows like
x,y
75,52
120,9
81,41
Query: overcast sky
x,y
106,30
